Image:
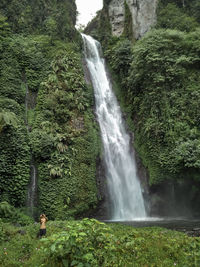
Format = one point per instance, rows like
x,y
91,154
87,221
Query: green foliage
x,y
64,139
195,10
173,17
10,214
91,243
4,26
118,53
15,152
6,119
14,166
56,18
18,244
50,24
163,88
10,105
14,162
10,74
188,151
81,245
28,65
2,232
24,64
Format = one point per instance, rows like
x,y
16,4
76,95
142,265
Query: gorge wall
x,y
143,16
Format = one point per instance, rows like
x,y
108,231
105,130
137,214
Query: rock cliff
x,y
143,15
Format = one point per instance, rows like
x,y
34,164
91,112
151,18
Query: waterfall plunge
x,y
124,187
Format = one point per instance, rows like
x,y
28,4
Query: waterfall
x,y
123,184
31,198
26,106
32,187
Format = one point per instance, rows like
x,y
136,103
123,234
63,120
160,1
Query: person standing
x,y
43,220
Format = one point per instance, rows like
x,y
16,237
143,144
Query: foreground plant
x,y
93,243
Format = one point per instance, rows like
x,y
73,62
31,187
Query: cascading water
x,y
32,187
124,188
26,106
31,198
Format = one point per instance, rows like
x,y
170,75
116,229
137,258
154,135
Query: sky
x,y
87,10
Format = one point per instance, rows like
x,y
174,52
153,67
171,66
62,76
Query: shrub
x,y
10,214
118,54
91,243
173,17
163,92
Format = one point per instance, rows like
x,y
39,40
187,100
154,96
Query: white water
x,y
32,189
26,106
124,187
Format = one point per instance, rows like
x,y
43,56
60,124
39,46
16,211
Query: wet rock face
x,y
143,16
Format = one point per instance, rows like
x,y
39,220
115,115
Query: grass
x,y
101,245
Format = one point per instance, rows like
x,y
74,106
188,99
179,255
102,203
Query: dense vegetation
x,y
45,109
46,118
55,18
64,139
164,88
91,243
179,15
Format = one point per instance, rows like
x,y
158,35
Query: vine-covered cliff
x,y
45,109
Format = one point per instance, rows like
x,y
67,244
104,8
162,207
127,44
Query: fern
x,y
7,118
